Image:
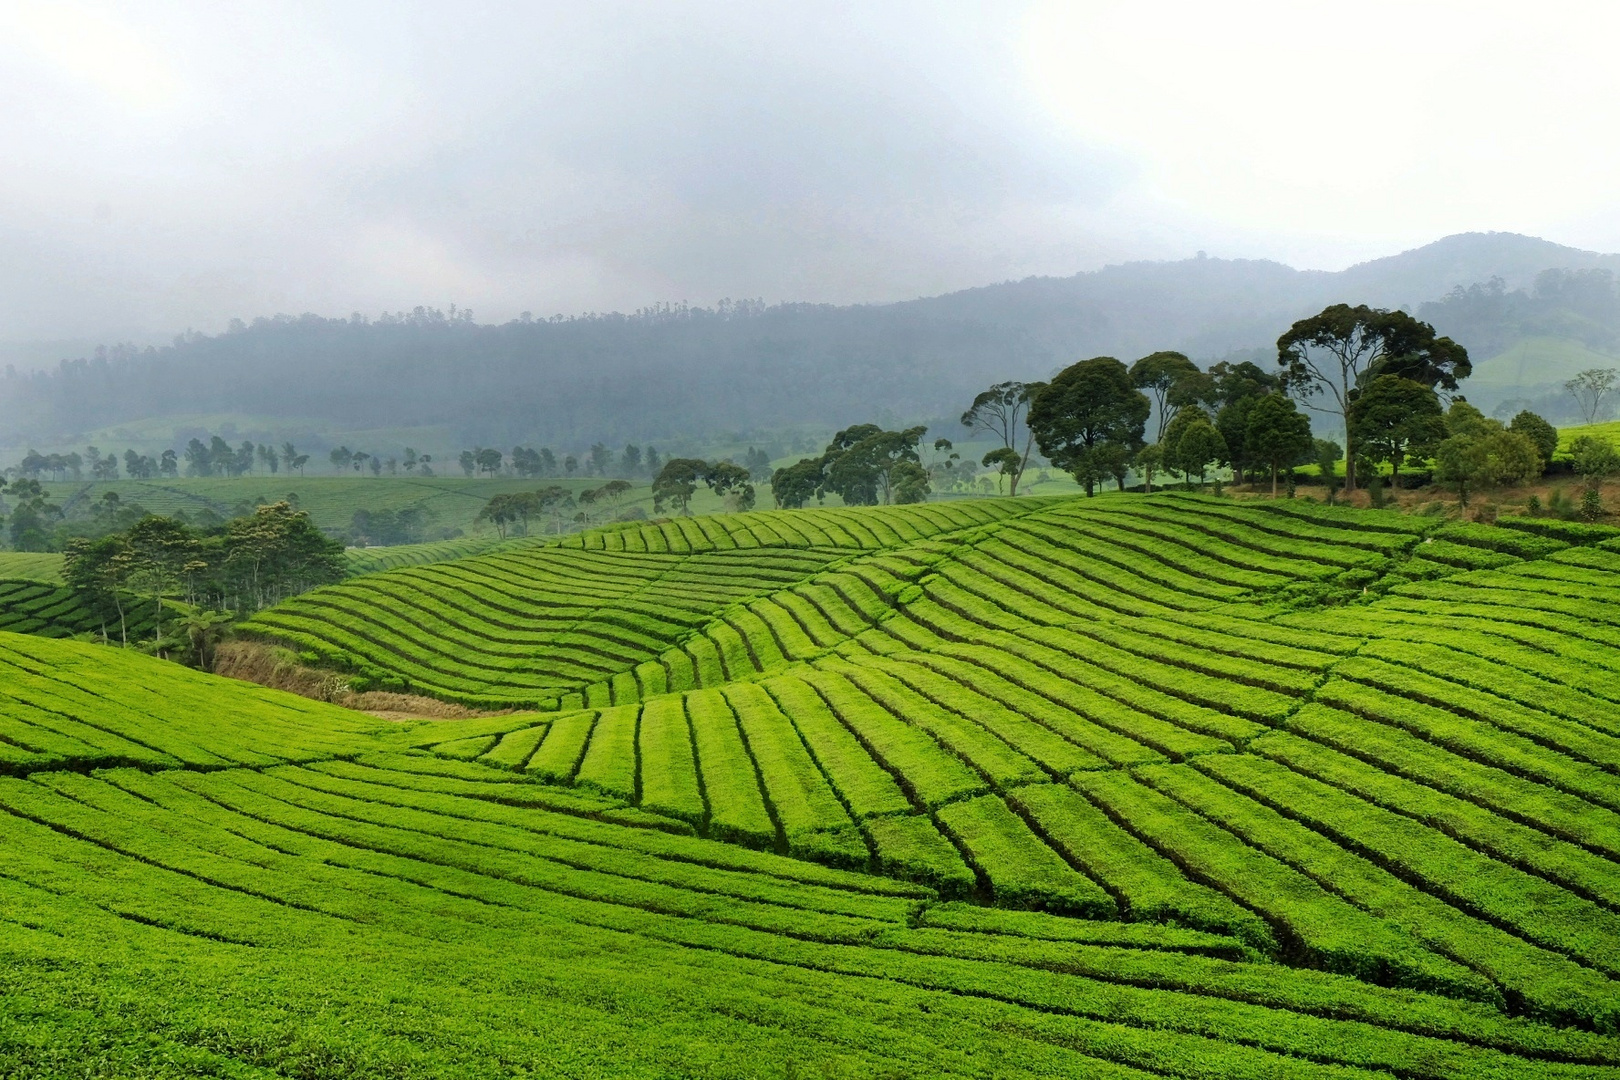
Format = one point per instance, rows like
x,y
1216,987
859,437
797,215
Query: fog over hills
x,y
670,372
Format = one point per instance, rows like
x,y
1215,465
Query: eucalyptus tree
x,y
1339,351
1001,412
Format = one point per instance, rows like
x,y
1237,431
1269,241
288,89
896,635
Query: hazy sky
x,y
174,164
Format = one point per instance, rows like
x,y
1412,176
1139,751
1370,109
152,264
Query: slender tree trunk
x,y
1274,480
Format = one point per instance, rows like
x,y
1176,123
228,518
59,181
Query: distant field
x,y
375,559
1129,787
1610,431
452,502
30,566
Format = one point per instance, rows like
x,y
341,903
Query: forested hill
x,y
669,371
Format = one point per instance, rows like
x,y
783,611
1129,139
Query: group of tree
x,y
864,465
632,463
1380,373
390,526
514,510
244,564
345,461
213,458
218,458
679,479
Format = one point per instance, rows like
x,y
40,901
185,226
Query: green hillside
x,y
447,502
55,611
1610,431
1535,365
396,556
1125,787
30,566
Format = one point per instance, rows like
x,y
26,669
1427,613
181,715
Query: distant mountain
x,y
1210,307
675,372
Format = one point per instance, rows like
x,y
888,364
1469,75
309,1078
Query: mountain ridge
x,y
676,373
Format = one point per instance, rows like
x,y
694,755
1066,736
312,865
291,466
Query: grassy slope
x,y
453,501
1535,363
31,566
1610,431
1132,710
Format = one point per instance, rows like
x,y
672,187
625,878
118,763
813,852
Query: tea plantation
x,y
1138,787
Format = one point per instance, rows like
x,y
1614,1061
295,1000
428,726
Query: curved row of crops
x,y
56,611
253,881
1129,710
537,626
1126,787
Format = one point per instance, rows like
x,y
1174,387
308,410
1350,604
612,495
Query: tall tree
x,y
1595,459
1480,452
1088,406
859,464
1277,434
33,518
794,485
1149,460
1159,373
1232,389
1345,347
162,554
1192,447
98,571
732,482
1590,389
1394,419
1000,412
677,482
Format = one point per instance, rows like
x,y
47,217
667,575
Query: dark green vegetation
x,y
1121,787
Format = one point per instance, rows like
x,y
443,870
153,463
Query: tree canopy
x,y
864,465
1159,374
1087,414
1479,453
1538,431
1343,348
1276,433
1395,419
1001,412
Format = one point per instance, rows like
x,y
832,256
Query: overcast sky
x,y
177,164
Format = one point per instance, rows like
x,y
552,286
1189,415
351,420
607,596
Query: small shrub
x,y
1485,514
1532,508
1591,506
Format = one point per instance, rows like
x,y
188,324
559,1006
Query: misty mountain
x,y
675,371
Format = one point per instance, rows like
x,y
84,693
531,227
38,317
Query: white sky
x,y
173,164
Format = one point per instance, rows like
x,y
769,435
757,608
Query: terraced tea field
x,y
1127,787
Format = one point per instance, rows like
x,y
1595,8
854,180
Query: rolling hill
x,y
1124,787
